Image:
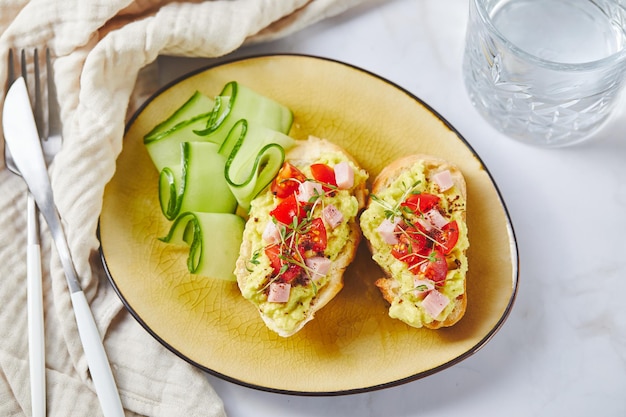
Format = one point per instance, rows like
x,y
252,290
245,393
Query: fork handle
x,y
36,344
97,360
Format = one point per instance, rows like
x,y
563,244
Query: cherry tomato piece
x,y
279,258
287,180
421,203
314,237
417,240
273,253
448,236
435,266
324,174
412,247
292,272
401,252
288,210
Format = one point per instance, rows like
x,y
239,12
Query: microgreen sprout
x,y
253,261
392,211
420,288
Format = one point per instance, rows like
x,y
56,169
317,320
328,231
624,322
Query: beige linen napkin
x,y
104,50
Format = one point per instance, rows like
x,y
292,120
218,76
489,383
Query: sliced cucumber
x,y
237,102
197,183
260,173
255,154
197,105
214,240
163,141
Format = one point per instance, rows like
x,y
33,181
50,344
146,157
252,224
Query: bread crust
x,y
388,285
307,152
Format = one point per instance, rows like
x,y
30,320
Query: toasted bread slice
x,y
308,295
407,283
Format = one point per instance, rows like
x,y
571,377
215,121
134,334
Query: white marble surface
x,y
562,352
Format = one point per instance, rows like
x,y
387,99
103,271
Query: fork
x,y
36,339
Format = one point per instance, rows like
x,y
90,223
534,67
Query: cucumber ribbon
x,y
237,102
255,154
197,183
162,142
214,257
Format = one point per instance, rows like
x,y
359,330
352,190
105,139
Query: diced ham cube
x,y
279,292
436,218
271,234
434,303
422,287
387,229
308,190
444,180
319,266
332,216
425,224
344,175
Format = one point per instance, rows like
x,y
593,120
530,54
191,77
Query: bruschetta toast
x,y
301,234
415,226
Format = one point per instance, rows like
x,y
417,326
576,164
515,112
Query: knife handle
x,y
96,357
36,347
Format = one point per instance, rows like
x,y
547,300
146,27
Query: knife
x,y
20,134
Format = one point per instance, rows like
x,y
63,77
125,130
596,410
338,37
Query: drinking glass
x,y
546,72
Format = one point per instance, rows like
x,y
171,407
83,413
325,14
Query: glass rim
x,y
611,60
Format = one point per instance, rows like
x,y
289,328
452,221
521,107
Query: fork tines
x,y
19,66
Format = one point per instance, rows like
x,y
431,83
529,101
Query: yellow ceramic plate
x,y
352,345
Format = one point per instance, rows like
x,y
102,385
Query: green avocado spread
x,y
290,314
407,305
